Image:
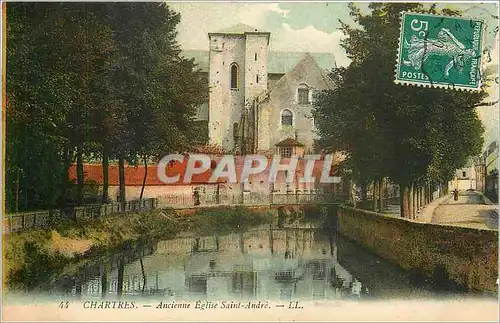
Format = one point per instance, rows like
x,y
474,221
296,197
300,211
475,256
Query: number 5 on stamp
x,y
440,51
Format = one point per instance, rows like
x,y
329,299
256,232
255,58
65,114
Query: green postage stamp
x,y
440,51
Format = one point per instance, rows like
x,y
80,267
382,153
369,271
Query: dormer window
x,y
234,76
303,94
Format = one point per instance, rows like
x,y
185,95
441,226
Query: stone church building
x,y
260,101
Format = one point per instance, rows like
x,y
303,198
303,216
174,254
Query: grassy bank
x,y
34,256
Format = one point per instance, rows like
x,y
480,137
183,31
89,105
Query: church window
x,y
255,56
303,94
286,118
234,76
256,79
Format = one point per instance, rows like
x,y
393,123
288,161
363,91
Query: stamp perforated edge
x,y
450,86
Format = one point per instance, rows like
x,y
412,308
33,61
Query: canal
x,y
263,263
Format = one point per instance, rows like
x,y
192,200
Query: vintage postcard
x,y
250,161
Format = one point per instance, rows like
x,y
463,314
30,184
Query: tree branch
x,y
485,104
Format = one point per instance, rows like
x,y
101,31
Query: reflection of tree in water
x,y
289,266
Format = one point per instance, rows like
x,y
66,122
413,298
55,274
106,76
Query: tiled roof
x,y
278,62
289,142
134,175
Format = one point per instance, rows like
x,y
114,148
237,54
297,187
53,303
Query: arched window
x,y
303,94
286,118
234,76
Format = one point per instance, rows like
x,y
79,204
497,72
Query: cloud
x,y
198,19
309,39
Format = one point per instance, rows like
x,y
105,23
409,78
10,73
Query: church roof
x,y
239,29
278,62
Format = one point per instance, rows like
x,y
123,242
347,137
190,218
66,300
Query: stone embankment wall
x,y
465,256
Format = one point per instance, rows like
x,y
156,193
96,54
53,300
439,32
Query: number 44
x,y
417,25
64,305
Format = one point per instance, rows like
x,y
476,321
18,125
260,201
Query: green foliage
x,y
92,79
409,134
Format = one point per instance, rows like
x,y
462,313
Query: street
x,y
469,211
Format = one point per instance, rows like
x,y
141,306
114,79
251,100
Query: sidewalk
x,y
427,212
470,210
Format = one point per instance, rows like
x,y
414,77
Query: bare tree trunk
x,y
121,175
79,174
414,201
404,201
364,192
417,191
145,176
17,191
374,196
105,171
410,201
421,191
68,160
381,195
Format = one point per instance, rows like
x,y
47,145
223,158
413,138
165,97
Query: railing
x,y
46,219
247,198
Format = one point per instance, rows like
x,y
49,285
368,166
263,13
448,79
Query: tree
x,y
103,79
54,53
415,136
158,90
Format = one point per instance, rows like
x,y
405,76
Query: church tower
x,y
237,75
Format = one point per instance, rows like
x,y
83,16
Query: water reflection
x,y
261,264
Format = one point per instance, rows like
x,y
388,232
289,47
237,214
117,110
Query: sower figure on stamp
x,y
446,44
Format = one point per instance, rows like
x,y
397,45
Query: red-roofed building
x,y
154,187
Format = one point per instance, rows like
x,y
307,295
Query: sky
x,y
312,27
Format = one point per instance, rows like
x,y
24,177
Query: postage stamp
x,y
440,51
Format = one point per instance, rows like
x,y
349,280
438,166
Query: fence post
x,y
34,220
22,221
